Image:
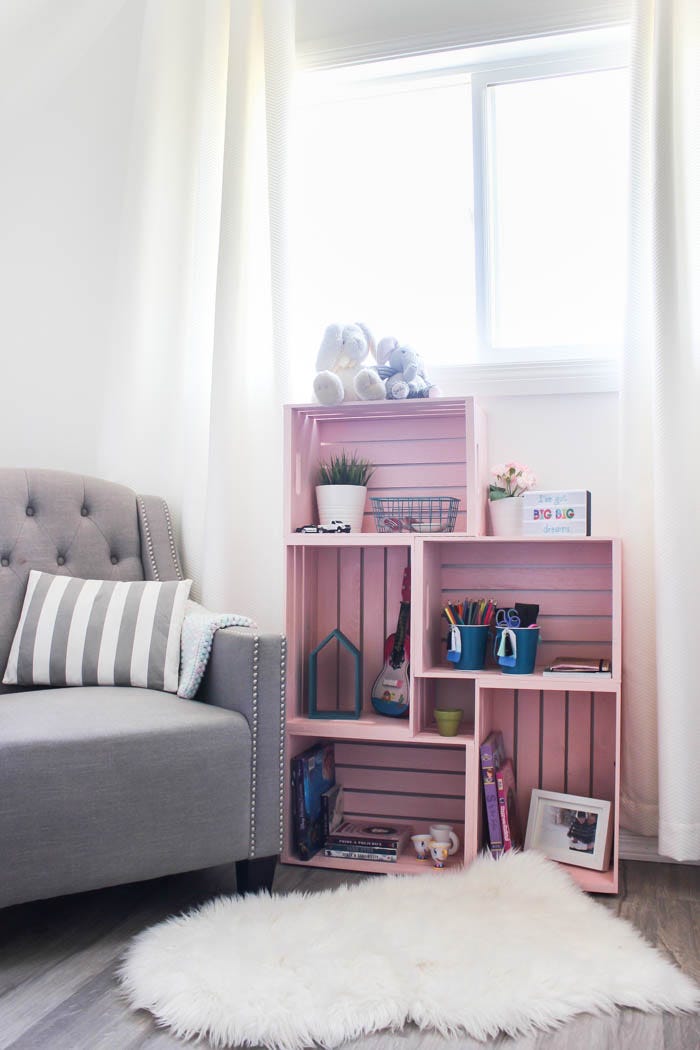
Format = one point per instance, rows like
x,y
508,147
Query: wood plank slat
x,y
545,554
579,744
604,718
411,475
551,603
553,709
528,755
404,807
394,781
415,427
374,620
521,578
392,452
325,602
400,756
350,622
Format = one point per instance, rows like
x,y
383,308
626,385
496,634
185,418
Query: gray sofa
x,y
105,785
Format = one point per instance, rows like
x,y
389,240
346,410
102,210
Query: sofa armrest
x,y
247,673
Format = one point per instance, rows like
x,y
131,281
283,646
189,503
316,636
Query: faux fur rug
x,y
504,946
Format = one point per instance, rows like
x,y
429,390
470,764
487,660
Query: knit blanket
x,y
198,630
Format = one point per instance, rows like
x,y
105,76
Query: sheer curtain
x,y
198,371
660,502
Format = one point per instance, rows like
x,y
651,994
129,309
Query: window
x,y
471,204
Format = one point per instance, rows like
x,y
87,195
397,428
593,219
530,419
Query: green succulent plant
x,y
345,470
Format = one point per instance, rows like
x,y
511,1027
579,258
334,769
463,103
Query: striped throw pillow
x,y
98,632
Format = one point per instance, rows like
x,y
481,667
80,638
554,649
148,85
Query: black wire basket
x,y
415,513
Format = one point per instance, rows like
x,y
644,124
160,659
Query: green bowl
x,y
448,719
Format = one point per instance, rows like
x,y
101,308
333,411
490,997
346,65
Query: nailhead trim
x,y
254,755
149,541
171,538
283,719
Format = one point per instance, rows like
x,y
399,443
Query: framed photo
x,y
572,829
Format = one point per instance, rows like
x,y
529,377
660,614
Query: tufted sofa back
x,y
72,525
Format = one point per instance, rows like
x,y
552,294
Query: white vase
x,y
344,503
506,516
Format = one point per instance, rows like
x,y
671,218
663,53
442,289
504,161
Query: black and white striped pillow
x,y
98,632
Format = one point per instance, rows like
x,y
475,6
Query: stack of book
x,y
500,802
353,840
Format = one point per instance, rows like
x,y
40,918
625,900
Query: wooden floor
x,y
57,963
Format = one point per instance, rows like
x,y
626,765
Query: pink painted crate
x,y
560,740
413,783
574,582
419,447
356,589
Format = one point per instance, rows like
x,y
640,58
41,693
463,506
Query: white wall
x,y
570,441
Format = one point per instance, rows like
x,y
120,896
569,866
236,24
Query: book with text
x,y
508,806
375,835
359,854
492,756
313,772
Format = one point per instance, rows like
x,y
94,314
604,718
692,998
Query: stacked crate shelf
x,y
563,734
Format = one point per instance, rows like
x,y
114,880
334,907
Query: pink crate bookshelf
x,y
430,447
563,735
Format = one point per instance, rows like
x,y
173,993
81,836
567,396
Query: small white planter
x,y
344,503
506,516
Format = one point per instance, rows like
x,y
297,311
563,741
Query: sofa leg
x,y
256,874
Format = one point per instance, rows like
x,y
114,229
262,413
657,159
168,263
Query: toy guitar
x,y
391,689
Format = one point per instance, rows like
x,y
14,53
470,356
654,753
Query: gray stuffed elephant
x,y
402,370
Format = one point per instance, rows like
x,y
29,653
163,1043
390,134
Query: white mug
x,y
444,833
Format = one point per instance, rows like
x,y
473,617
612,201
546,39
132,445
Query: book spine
x,y
301,822
325,815
379,850
360,855
493,819
362,843
503,809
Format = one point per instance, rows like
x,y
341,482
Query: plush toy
x,y
402,370
342,376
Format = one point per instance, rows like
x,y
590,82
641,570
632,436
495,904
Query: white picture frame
x,y
571,829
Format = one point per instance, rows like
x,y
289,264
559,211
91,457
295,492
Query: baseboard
x,y
640,847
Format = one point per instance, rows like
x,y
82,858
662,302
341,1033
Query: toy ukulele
x,y
391,690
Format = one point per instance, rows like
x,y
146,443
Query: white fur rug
x,y
504,946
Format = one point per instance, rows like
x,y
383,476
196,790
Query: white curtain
x,y
660,491
198,375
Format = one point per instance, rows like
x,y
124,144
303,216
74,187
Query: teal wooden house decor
x,y
337,712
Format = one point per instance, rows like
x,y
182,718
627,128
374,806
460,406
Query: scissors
x,y
507,619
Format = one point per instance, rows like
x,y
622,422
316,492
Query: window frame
x,y
536,67
511,370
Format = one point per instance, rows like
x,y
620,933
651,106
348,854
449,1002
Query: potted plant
x,y
341,492
512,480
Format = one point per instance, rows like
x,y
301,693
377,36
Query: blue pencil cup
x,y
526,640
473,640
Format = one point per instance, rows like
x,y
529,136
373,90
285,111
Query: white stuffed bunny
x,y
341,373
